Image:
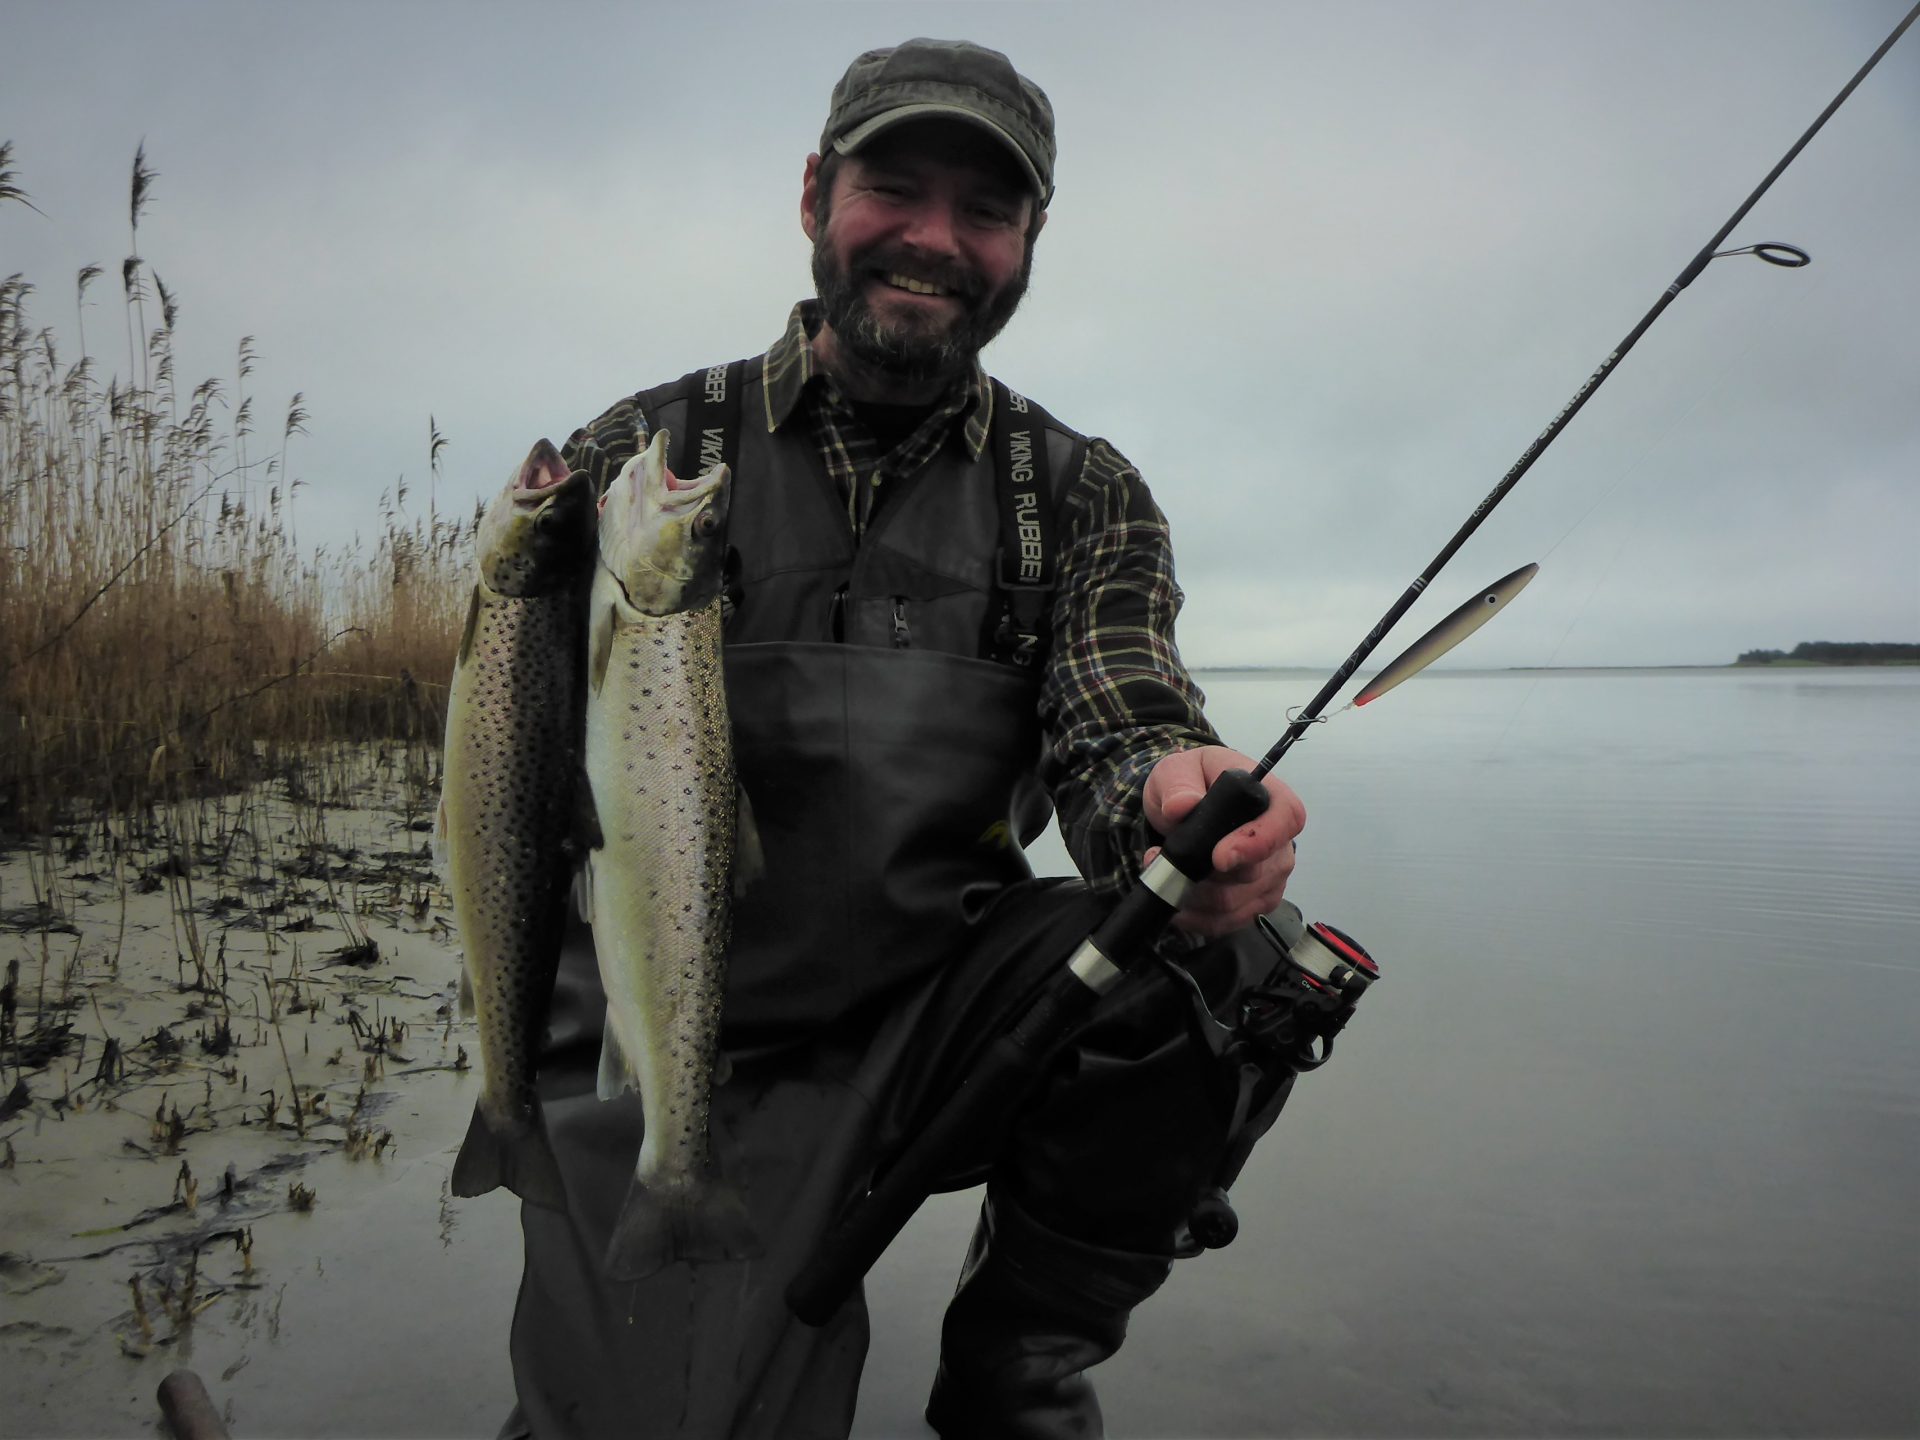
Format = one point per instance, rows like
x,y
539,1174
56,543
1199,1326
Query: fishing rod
x,y
985,1098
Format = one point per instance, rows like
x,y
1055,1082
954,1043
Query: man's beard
x,y
901,347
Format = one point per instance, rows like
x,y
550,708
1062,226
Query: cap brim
x,y
848,143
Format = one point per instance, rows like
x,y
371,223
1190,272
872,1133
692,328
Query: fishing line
x,y
1770,252
1773,318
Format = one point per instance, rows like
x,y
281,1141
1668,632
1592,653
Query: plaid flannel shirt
x,y
1115,697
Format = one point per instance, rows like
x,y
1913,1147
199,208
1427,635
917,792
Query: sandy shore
x,y
236,1081
164,1204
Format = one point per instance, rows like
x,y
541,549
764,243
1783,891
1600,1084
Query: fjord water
x,y
1628,1139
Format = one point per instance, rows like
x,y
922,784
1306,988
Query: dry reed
x,y
162,638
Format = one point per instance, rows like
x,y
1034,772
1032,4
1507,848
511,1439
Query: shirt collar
x,y
791,369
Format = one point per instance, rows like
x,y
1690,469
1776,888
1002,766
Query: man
x,y
947,607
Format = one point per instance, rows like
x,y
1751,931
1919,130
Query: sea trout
x,y
507,807
659,764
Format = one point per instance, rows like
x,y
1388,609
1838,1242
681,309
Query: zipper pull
x,y
901,639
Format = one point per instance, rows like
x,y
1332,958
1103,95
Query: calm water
x,y
1627,1143
1629,1140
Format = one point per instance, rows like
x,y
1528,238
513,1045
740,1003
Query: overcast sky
x,y
1321,270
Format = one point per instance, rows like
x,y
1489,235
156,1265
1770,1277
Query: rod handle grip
x,y
1234,799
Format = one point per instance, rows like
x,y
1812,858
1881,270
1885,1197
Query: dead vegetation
x,y
162,636
189,703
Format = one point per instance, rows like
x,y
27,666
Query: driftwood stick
x,y
189,1409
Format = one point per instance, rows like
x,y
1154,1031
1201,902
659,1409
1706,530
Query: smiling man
x,y
950,616
922,245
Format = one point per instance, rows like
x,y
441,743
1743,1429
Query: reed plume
x,y
161,633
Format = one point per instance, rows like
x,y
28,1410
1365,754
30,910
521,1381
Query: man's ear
x,y
1039,223
809,186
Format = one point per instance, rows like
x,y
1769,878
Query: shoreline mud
x,y
234,1078
256,1184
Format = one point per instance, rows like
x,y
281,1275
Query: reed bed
x,y
161,633
185,693
219,755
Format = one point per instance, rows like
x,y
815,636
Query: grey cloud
x,y
1322,271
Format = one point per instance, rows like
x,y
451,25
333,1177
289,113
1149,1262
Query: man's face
x,y
922,250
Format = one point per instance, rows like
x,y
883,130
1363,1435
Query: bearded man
x,y
951,615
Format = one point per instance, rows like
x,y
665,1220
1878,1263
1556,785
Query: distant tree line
x,y
1835,652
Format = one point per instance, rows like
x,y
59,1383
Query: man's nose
x,y
932,228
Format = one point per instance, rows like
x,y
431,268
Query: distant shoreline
x,y
1538,669
1791,664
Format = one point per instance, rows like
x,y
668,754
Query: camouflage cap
x,y
953,78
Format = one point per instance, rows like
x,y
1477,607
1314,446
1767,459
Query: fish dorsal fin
x,y
749,855
467,1003
616,1075
466,632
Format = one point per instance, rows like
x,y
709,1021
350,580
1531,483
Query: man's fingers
x,y
1176,806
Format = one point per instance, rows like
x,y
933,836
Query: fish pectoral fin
x,y
749,855
468,1005
442,850
466,631
616,1072
587,835
600,627
583,889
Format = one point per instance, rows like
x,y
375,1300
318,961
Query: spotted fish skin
x,y
659,763
506,806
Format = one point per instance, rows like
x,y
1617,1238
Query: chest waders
x,y
883,701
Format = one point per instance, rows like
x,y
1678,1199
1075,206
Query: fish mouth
x,y
681,497
551,505
542,483
542,472
656,486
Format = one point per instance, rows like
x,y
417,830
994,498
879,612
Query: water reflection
x,y
1629,1142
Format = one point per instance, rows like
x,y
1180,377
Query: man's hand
x,y
1251,865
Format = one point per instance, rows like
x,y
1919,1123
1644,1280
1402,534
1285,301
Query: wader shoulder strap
x,y
1027,497
711,434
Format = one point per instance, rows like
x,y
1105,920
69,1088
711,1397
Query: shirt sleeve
x,y
1116,697
604,446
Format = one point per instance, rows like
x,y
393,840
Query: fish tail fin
x,y
657,1228
518,1157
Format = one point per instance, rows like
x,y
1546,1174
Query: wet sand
x,y
334,1286
251,1180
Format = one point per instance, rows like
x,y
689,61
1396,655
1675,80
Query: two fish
x,y
640,704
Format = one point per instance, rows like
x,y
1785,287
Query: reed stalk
x,y
163,638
